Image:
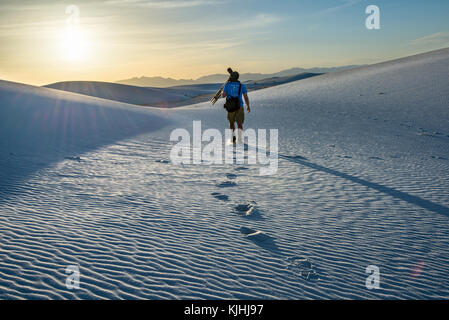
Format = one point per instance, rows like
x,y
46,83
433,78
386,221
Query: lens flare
x,y
74,44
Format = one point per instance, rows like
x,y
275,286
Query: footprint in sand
x,y
302,267
220,196
298,265
261,239
256,235
438,158
241,168
163,161
231,176
226,184
248,210
74,158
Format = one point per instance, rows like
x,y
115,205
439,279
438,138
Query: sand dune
x,y
40,126
156,97
362,180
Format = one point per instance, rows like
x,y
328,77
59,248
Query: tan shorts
x,y
237,116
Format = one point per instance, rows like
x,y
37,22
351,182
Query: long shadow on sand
x,y
423,203
262,240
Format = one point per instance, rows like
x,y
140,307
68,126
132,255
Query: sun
x,y
74,44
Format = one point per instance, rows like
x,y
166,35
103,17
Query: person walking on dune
x,y
233,92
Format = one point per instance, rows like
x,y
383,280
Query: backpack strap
x,y
240,90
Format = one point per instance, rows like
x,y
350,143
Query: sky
x,y
46,41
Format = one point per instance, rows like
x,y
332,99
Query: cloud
x,y
342,5
256,21
198,28
439,38
194,46
45,28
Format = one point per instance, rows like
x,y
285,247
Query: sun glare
x,y
74,44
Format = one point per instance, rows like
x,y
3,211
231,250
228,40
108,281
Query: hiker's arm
x,y
245,96
223,94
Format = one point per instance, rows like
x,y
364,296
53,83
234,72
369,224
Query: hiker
x,y
233,92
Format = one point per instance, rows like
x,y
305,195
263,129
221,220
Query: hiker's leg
x,y
232,126
231,119
240,118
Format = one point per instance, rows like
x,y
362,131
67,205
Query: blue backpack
x,y
233,103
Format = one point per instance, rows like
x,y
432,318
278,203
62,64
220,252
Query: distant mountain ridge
x,y
162,82
163,96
